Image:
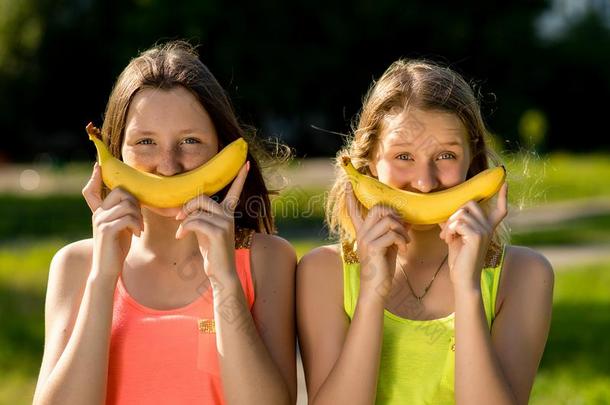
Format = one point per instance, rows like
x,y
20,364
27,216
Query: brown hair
x,y
408,84
175,64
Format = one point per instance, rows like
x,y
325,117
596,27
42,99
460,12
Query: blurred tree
x,y
293,67
577,86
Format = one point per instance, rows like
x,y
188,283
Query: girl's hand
x,y
379,237
214,226
468,233
115,219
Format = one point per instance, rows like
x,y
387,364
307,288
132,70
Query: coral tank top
x,y
168,356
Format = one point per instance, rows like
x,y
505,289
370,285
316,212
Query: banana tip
x,y
345,160
92,131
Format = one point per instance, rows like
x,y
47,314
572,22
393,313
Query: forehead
x,y
419,128
164,107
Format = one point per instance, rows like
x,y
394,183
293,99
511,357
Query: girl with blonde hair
x,y
398,313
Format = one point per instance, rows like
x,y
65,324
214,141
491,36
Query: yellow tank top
x,y
418,357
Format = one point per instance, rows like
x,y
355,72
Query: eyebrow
x,y
181,132
406,143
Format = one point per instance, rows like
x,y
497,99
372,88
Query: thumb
x,y
93,189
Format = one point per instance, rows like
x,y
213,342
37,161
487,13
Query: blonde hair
x,y
415,84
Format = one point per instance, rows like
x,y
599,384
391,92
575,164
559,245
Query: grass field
x,y
539,179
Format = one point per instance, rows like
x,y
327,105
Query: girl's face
x,y
422,151
168,132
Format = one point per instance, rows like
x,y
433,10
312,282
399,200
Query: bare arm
x,y
77,325
348,370
257,355
500,368
248,368
80,292
341,360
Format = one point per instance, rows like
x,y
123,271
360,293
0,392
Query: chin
x,y
164,212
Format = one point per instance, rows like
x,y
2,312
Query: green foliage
x,y
20,34
594,230
532,128
61,215
291,66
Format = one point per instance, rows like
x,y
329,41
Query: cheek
x,y
450,178
197,157
388,173
141,160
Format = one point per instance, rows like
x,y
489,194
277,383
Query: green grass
x,y
575,367
555,177
592,230
23,278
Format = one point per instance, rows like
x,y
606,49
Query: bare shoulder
x,y
70,269
321,259
525,272
321,270
266,244
272,258
74,258
526,263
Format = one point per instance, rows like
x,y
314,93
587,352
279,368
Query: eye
x,y
404,156
191,141
145,141
446,155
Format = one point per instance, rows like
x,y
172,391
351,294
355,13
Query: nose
x,y
425,179
169,163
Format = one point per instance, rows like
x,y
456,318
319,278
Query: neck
x,y
426,249
158,242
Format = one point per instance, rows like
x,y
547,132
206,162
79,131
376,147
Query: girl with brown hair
x,y
398,313
186,305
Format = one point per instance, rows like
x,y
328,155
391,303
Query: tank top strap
x,y
243,238
351,277
243,243
490,280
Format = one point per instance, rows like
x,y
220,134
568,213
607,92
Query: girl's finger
x,y
200,225
388,239
200,203
376,213
93,189
501,209
465,228
116,196
125,207
473,210
125,222
232,198
386,224
352,207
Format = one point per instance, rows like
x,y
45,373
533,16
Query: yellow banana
x,y
171,191
424,208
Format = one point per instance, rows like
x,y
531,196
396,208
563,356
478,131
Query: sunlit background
x,y
297,71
